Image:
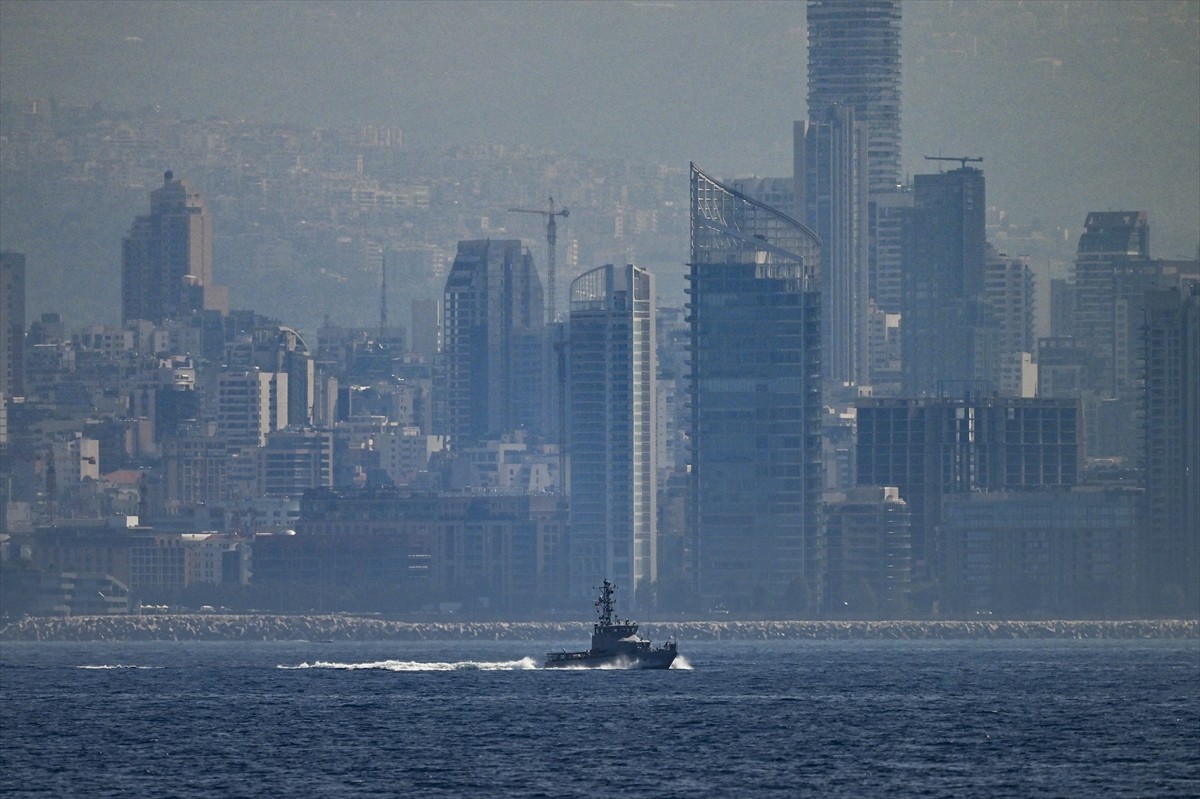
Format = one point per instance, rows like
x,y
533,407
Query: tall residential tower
x,y
854,61
613,427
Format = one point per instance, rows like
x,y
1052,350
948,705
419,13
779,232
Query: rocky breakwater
x,y
216,627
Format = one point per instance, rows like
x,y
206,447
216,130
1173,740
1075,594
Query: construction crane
x,y
551,239
963,160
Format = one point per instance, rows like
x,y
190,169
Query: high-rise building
x,y
1113,275
941,308
166,260
1169,544
12,324
612,368
755,434
272,347
854,61
1008,295
829,164
1113,245
249,405
493,316
887,212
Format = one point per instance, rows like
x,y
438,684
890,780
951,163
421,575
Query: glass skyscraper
x,y
755,475
493,316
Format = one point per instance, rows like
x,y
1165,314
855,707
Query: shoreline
x,y
217,627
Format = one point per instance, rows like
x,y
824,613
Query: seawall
x,y
216,627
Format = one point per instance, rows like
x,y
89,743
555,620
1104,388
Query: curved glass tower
x,y
755,316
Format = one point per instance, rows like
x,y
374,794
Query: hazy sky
x,y
1075,106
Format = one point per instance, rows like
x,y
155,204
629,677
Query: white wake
x,y
416,665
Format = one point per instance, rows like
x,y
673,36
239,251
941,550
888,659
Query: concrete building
x,y
612,371
276,348
755,314
1040,554
1113,243
887,215
854,61
293,461
249,405
166,260
933,448
868,552
405,452
196,472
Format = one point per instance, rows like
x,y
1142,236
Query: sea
x,y
844,718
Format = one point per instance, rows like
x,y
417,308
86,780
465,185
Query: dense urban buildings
x,y
755,314
850,417
612,407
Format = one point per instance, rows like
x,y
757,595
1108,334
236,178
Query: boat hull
x,y
592,659
654,659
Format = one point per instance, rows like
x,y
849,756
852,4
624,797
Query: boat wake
x,y
116,666
416,665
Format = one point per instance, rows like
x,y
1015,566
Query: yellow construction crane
x,y
551,239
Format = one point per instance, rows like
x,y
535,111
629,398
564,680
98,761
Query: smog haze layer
x,y
1074,106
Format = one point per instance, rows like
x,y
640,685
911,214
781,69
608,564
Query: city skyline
x,y
789,307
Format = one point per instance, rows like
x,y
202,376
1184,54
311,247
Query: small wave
x,y
103,667
415,665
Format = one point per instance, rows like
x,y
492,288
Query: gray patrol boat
x,y
615,643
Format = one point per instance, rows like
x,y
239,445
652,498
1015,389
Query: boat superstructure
x,y
615,643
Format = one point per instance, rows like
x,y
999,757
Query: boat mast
x,y
605,604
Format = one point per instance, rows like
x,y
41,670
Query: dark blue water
x,y
476,719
